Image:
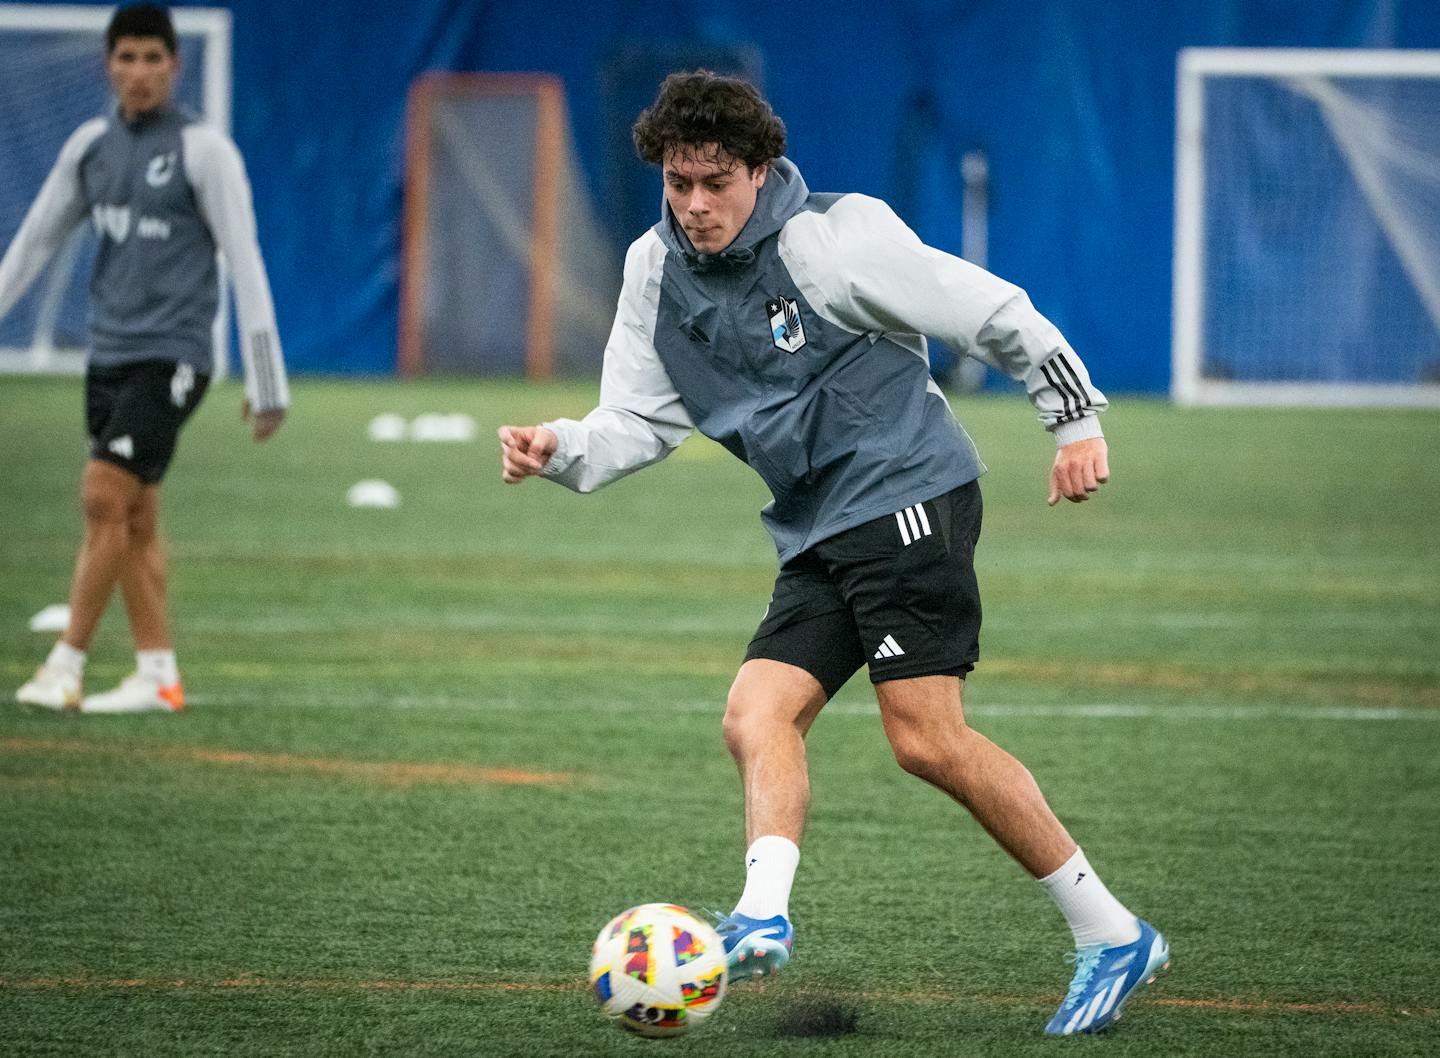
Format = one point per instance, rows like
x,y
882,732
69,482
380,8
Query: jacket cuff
x,y
1081,429
560,460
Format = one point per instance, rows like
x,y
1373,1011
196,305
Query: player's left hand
x,y
262,423
1081,467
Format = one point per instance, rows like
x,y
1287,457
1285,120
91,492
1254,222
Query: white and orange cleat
x,y
136,694
51,688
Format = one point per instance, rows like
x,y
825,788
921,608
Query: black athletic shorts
x,y
898,593
134,412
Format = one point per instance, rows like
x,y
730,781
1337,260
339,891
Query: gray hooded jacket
x,y
800,348
162,191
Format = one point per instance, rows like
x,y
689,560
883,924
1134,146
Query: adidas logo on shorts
x,y
888,649
124,447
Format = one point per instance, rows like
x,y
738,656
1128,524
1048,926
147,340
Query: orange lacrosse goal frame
x,y
549,95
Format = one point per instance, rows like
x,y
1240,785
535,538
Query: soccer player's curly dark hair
x,y
701,107
140,20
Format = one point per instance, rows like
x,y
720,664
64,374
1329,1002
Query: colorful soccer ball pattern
x,y
658,970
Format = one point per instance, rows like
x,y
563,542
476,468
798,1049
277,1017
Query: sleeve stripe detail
x,y
1079,385
1075,402
1066,414
267,390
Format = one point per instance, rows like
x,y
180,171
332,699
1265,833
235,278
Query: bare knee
x,y
927,754
143,527
746,722
753,722
109,497
104,508
769,700
915,757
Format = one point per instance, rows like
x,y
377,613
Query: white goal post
x,y
1307,227
52,78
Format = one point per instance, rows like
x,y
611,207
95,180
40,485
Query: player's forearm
x,y
266,383
217,172
607,445
54,214
266,386
34,244
1021,342
641,418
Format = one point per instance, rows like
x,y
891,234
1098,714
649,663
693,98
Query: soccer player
x,y
162,190
788,327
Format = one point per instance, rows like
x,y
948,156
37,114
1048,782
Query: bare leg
x,y
142,574
108,496
925,722
770,708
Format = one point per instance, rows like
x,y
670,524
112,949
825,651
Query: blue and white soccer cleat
x,y
755,947
1105,978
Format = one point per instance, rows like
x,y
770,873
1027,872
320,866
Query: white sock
x,y
1094,915
158,665
770,864
65,658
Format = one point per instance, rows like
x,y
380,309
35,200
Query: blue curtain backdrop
x,y
1073,101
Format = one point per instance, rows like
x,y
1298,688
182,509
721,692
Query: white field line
x,y
601,622
1190,713
626,621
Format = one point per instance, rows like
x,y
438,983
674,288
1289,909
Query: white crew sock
x,y
770,864
1094,915
65,658
158,665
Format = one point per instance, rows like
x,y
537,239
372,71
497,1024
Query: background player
x,y
162,190
787,327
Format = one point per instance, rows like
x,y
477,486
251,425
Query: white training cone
x,y
372,493
462,427
387,427
54,618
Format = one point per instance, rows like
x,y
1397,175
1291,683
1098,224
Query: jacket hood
x,y
779,199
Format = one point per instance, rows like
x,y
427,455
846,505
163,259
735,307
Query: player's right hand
x,y
263,423
524,451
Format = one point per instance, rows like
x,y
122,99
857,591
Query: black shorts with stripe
x,y
898,593
134,412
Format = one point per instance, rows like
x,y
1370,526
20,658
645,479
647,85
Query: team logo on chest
x,y
785,325
161,169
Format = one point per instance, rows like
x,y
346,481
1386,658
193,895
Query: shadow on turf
x,y
817,1017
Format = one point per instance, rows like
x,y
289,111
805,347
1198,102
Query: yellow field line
x,y
1367,1008
389,773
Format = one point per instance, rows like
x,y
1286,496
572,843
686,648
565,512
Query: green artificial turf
x,y
431,750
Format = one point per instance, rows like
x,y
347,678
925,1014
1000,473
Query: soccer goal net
x,y
52,80
506,270
1307,227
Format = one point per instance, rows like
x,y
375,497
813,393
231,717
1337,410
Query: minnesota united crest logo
x,y
785,325
161,169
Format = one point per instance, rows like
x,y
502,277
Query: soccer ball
x,y
658,970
